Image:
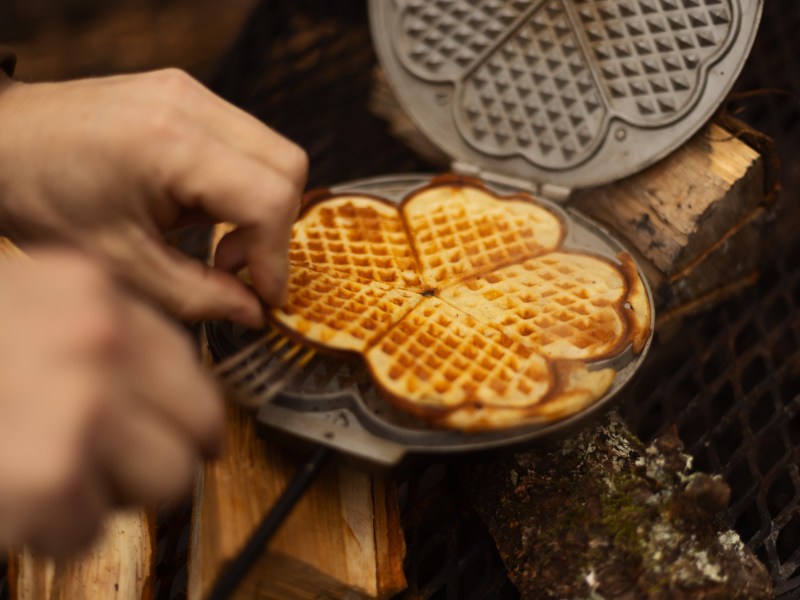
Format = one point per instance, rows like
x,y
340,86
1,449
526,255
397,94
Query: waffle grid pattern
x,y
550,299
446,37
536,94
340,310
650,52
549,89
358,237
462,238
447,349
434,354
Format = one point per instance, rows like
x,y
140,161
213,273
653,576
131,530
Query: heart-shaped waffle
x,y
464,305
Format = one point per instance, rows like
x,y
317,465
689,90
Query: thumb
x,y
191,290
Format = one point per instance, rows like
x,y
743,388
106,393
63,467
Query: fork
x,y
257,373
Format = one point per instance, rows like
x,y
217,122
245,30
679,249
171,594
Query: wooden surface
x,y
676,209
695,220
120,565
343,540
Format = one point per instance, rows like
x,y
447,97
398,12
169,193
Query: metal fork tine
x,y
237,360
274,388
247,370
257,373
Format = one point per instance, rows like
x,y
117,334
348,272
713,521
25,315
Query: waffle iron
x,y
535,96
538,96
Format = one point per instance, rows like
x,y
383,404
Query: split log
x,y
119,566
600,516
673,211
694,220
343,539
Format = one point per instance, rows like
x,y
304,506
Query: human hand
x,y
106,165
102,403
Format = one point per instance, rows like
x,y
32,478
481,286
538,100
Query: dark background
x,y
730,381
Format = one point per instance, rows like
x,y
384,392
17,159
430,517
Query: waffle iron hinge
x,y
548,191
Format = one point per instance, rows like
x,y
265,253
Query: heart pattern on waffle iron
x,y
465,306
544,79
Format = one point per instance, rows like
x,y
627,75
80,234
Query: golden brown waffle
x,y
566,305
340,312
461,231
358,236
438,357
463,304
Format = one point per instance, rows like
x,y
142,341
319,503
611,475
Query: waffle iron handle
x,y
339,431
237,569
327,437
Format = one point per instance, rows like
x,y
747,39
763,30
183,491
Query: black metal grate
x,y
772,73
450,553
731,384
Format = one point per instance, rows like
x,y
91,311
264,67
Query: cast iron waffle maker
x,y
539,97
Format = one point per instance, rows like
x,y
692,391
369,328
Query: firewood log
x,y
601,516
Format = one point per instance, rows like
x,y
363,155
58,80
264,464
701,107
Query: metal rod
x,y
235,572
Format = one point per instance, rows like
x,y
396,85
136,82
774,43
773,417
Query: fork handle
x,y
241,564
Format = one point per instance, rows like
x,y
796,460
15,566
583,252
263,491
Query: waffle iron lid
x,y
570,93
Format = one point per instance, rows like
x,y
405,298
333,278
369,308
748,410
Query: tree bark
x,y
601,516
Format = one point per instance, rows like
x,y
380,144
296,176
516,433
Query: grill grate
x,y
450,554
731,385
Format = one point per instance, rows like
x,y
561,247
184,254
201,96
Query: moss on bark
x,y
601,516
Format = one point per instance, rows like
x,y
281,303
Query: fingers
x,y
151,359
150,152
145,461
161,371
219,160
71,519
79,318
83,422
189,289
231,252
262,201
168,414
52,492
